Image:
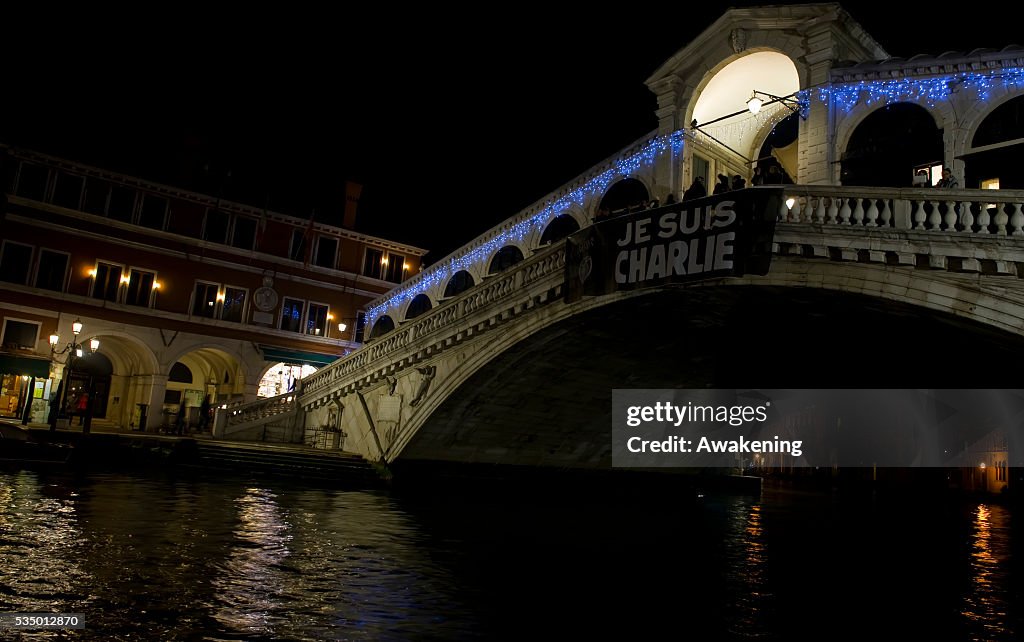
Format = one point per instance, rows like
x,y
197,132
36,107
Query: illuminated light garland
x,y
929,90
843,95
752,123
441,273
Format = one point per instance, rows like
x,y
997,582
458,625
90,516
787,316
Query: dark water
x,y
164,558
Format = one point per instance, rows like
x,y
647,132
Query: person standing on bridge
x,y
948,181
696,190
722,186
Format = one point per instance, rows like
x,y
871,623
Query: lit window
x,y
204,300
234,304
316,324
395,269
373,263
291,314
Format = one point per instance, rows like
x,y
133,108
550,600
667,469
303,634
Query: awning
x,y
287,355
788,157
1010,145
11,364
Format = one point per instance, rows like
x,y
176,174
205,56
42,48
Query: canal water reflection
x,y
164,558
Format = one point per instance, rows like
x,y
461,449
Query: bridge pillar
x,y
668,168
815,151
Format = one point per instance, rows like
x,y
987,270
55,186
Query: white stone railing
x,y
949,212
967,211
261,409
548,262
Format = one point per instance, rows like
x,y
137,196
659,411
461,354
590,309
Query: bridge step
x,y
297,462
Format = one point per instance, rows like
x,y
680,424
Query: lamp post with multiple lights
x,y
73,350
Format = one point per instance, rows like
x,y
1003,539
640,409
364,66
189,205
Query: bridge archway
x,y
727,88
214,372
624,195
91,374
888,143
718,335
559,228
459,283
383,325
126,365
881,146
999,130
505,258
420,304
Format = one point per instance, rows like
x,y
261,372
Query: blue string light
x,y
928,90
843,95
440,273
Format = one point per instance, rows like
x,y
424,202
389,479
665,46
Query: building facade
x,y
188,296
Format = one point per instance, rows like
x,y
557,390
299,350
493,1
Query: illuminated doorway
x,y
282,378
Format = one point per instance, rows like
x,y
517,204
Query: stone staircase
x,y
289,461
273,419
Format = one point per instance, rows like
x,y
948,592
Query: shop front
x,y
22,378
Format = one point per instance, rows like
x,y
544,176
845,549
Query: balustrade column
x,y
1001,219
950,218
871,215
857,217
966,216
919,215
833,210
1016,220
820,212
844,212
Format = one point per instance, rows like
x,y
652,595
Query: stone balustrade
x,y
967,212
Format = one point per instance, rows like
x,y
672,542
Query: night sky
x,y
453,121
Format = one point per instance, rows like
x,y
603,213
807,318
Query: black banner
x,y
725,235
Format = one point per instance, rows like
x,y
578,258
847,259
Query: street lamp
x,y
345,323
755,102
74,350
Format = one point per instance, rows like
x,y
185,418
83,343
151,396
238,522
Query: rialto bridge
x,y
509,372
874,280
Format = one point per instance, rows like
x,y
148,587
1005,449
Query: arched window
x,y
505,258
998,167
180,373
623,195
887,145
561,227
384,325
419,305
459,283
